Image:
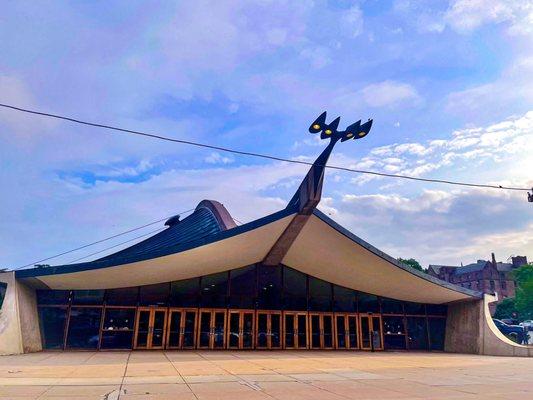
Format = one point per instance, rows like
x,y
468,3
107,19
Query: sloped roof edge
x,y
392,260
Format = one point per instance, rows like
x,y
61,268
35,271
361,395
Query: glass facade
x,y
277,302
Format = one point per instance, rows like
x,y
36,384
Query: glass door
x,y
346,331
294,330
182,329
268,330
240,329
371,332
321,330
150,328
212,332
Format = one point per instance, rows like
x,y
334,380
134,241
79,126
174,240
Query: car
x,y
516,332
528,324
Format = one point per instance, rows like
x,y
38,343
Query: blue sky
x,y
448,85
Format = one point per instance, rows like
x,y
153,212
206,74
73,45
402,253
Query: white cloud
x,y
217,158
352,21
389,93
467,15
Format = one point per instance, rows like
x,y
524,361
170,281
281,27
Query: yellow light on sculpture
x,y
316,126
349,135
328,132
361,134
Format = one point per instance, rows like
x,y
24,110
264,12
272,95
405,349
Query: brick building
x,y
484,276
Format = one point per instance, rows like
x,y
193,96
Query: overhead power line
x,y
253,154
100,241
116,245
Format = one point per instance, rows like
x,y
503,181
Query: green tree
x,y
524,291
412,263
505,309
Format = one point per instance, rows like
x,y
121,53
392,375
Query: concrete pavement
x,y
320,375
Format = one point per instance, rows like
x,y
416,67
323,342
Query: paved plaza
x,y
319,375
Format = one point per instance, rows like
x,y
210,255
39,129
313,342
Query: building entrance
x,y
268,330
321,330
346,331
212,329
371,333
241,329
150,328
182,323
295,330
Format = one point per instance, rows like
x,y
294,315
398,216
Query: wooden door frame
x,y
346,316
269,314
296,339
181,333
151,317
321,315
213,311
241,312
370,317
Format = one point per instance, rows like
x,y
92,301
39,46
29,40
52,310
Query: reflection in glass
x,y
376,332
189,331
122,296
368,303
417,333
219,329
394,333
3,289
117,331
205,328
154,295
302,331
315,331
185,293
262,330
248,330
415,308
88,297
289,330
84,328
275,330
234,330
294,290
341,331
327,321
143,328
320,295
53,297
242,287
53,321
344,299
391,306
437,309
437,331
352,332
214,290
158,330
365,332
269,287
174,329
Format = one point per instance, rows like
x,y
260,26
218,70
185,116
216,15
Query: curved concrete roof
x,y
323,249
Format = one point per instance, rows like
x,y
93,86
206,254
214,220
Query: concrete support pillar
x,y
470,329
19,322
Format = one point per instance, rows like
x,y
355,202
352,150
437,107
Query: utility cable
x,y
253,154
99,241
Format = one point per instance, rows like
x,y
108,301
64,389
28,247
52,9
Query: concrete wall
x,y
19,323
470,329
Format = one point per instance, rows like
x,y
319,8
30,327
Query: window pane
x,y
437,309
320,295
154,295
123,296
118,328
437,330
391,306
84,328
242,287
294,289
88,297
368,303
185,293
53,297
344,299
269,287
415,308
214,290
3,289
52,321
394,332
417,333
